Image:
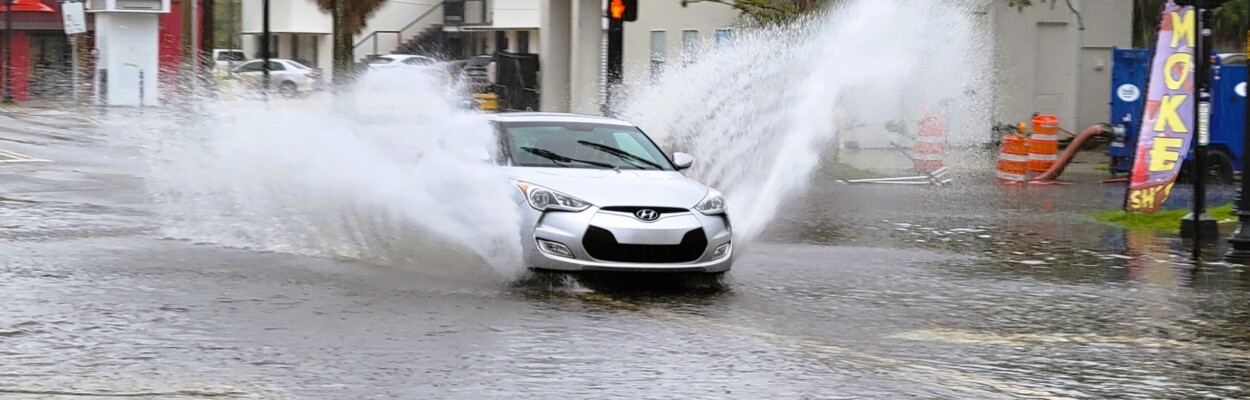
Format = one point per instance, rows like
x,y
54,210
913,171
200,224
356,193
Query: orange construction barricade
x,y
1013,159
929,145
1044,143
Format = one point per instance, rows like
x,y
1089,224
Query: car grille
x,y
634,209
602,245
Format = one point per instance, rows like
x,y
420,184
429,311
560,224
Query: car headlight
x,y
543,199
713,203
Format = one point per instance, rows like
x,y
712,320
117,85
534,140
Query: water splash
x,y
391,174
761,112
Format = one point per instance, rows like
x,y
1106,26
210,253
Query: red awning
x,y
26,6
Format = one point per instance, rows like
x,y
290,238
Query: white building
x,y
1047,63
574,43
452,29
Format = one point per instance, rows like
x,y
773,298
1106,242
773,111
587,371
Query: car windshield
x,y
582,145
381,60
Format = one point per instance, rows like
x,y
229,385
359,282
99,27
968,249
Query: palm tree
x,y
1229,20
350,18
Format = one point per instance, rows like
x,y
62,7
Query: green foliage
x,y
838,170
898,126
1163,221
224,13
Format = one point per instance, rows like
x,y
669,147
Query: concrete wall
x,y
515,14
672,19
573,67
1047,64
286,16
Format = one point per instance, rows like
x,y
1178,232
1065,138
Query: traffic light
x,y
623,10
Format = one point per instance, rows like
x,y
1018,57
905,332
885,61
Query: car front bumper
x,y
677,242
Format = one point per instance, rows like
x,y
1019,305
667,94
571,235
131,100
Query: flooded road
x,y
970,291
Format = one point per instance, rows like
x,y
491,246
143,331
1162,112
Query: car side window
x,y
417,61
249,67
276,66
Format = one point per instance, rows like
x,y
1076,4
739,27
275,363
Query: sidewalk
x,y
34,123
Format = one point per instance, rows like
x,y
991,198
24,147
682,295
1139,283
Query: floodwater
x,y
855,291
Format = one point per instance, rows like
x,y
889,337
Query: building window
x,y
501,41
689,45
658,45
295,49
523,42
273,46
723,37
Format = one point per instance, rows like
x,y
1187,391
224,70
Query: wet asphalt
x,y
856,292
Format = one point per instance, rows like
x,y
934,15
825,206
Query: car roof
x,y
555,117
403,56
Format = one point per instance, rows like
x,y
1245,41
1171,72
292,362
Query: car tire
x,y
1219,168
288,89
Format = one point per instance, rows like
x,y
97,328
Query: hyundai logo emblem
x,y
647,215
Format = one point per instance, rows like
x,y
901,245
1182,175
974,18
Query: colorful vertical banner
x,y
1168,122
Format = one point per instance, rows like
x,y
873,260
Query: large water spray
x,y
760,112
391,173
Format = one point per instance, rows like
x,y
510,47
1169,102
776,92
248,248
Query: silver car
x,y
597,194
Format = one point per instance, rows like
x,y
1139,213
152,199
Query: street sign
x,y
75,21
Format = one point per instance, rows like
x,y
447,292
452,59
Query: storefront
x,y
41,61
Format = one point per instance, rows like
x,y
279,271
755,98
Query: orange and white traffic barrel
x,y
1044,143
1013,159
929,145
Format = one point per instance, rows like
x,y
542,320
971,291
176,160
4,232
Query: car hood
x,y
607,188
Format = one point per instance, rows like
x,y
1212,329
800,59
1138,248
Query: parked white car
x,y
226,59
401,60
288,77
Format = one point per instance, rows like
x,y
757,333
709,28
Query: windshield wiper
x,y
622,154
562,159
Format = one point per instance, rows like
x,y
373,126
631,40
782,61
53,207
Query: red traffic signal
x,y
623,10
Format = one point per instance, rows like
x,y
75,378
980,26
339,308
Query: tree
x,y
349,18
1228,31
1021,4
767,12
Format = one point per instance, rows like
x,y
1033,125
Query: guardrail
x,y
373,36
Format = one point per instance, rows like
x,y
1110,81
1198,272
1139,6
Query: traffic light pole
x,y
616,44
1198,224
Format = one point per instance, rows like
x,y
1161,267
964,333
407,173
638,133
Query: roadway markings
x,y
14,157
939,377
964,337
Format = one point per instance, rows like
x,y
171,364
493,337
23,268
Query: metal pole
x,y
1239,251
8,50
616,44
195,44
73,59
264,49
1198,224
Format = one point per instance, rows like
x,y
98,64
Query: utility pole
x,y
1240,241
8,51
619,11
194,44
264,49
1198,224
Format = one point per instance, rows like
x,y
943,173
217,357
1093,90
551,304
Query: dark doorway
x,y
50,64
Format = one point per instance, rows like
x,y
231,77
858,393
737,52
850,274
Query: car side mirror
x,y
477,153
683,160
